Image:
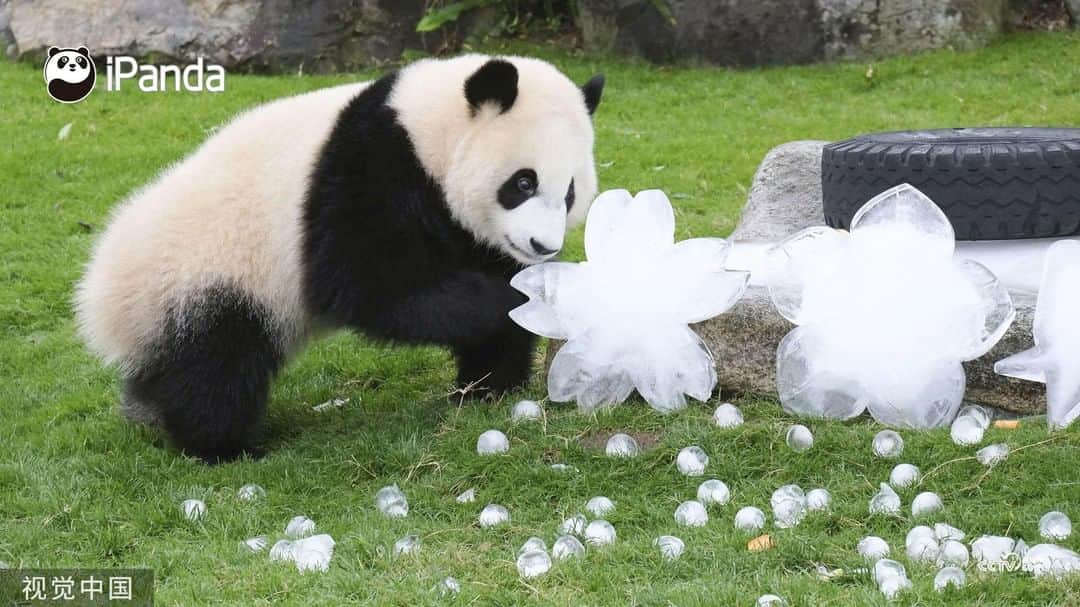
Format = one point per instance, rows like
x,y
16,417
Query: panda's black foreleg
x,y
209,378
500,363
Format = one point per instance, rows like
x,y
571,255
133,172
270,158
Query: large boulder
x,y
321,35
755,32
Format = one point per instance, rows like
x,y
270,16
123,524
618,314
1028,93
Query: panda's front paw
x,y
498,365
490,382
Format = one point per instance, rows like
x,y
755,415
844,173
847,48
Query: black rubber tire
x,y
992,183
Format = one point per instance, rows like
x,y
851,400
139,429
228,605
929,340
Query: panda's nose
x,y
540,248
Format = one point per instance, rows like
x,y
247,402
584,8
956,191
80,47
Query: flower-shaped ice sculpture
x,y
625,311
1055,359
885,313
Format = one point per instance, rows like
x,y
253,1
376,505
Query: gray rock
x,y
323,35
785,196
756,32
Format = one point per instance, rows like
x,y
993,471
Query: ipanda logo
x,y
70,74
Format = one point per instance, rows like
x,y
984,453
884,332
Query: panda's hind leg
x,y
208,380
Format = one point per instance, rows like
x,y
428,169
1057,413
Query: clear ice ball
x,y
872,548
1055,526
194,510
799,438
919,532
981,415
622,445
904,475
567,546
410,544
887,568
727,415
691,513
526,410
771,600
966,431
692,461
749,519
818,499
282,550
391,502
600,533
713,491
944,532
250,493
467,497
893,586
949,576
449,587
671,547
953,554
256,544
494,514
885,501
888,444
992,455
923,549
533,543
600,506
533,563
575,525
299,526
925,503
492,442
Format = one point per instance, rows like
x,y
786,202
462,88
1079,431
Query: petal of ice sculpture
x,y
1055,359
624,312
885,315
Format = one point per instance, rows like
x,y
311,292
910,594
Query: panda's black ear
x,y
593,90
83,51
495,82
53,50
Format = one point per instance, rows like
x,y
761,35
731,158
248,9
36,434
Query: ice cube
x,y
713,491
194,510
671,547
904,475
944,532
799,438
992,548
949,576
410,544
449,587
888,444
923,549
691,513
1055,526
492,442
494,514
891,587
466,497
256,544
1057,337
749,519
818,499
771,600
873,548
600,506
978,413
567,546
925,503
622,445
953,553
282,550
600,533
526,410
885,501
300,526
533,563
575,525
692,460
533,543
250,493
991,455
966,430
727,415
391,502
313,553
1049,559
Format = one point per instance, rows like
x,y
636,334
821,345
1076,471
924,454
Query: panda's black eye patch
x,y
81,62
521,186
570,197
62,62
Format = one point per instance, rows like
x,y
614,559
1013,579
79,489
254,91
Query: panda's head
x,y
520,170
69,65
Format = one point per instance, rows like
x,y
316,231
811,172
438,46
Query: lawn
x,y
80,487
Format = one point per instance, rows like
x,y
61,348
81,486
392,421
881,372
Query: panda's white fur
x,y
233,212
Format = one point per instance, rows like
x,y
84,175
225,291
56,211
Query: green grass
x,y
79,487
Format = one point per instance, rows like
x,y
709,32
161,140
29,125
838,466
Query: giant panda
x,y
398,208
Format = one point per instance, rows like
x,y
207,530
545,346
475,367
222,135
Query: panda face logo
x,y
69,74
